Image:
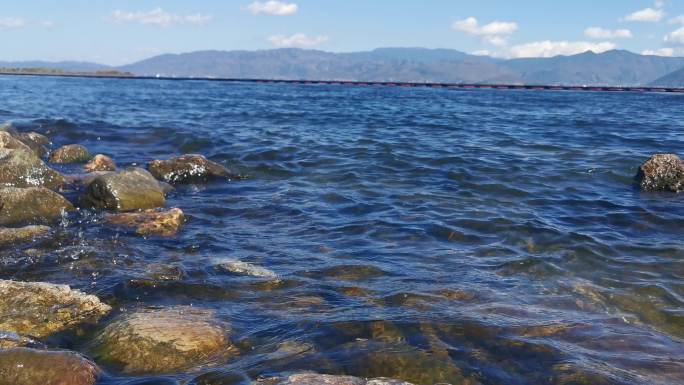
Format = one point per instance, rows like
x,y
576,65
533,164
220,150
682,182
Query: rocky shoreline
x,y
137,341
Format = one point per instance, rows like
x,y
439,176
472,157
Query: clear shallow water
x,y
429,235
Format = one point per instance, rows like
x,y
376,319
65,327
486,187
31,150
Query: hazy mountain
x,y
62,65
620,68
674,79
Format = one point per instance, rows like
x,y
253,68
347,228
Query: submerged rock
x,y
245,268
71,153
662,172
34,205
187,168
9,236
325,379
39,309
163,340
24,366
22,168
127,190
150,222
36,142
100,163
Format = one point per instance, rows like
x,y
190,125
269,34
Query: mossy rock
x,y
188,168
167,340
128,190
40,309
30,206
24,366
71,153
22,168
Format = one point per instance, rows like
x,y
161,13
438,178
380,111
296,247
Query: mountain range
x,y
614,68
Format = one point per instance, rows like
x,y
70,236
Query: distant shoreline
x,y
460,86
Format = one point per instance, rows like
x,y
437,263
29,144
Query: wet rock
x,y
84,179
100,163
150,222
662,172
22,168
39,309
34,205
9,236
13,340
127,190
245,268
71,153
163,341
163,272
325,379
9,142
38,143
23,366
187,168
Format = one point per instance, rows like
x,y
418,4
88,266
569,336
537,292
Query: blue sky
x,y
123,31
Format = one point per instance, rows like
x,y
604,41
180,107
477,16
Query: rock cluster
x,y
662,172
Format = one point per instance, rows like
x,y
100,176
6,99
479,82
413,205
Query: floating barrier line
x,y
461,86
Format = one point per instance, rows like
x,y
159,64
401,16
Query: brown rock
x,y
100,163
10,236
71,153
9,142
37,142
187,168
40,309
22,168
150,222
34,205
23,366
662,172
128,190
163,340
13,340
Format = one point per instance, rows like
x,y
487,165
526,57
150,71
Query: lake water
x,y
491,237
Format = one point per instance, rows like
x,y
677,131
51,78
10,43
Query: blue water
x,y
435,236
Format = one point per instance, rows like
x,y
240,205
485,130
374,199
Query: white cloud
x,y
677,20
496,32
297,40
659,52
12,23
601,33
675,37
649,15
159,17
272,7
47,24
554,48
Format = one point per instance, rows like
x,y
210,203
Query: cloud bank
x,y
277,8
297,40
495,33
601,33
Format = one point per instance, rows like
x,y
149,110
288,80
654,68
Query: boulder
x,y
187,168
127,190
662,172
9,142
150,222
10,236
33,205
8,127
40,309
162,341
24,366
100,163
36,142
22,168
325,379
71,153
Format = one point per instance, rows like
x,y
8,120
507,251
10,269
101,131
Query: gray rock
x,y
188,168
23,366
71,153
30,206
127,190
244,268
325,379
163,340
8,141
662,172
22,168
40,309
38,143
10,236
